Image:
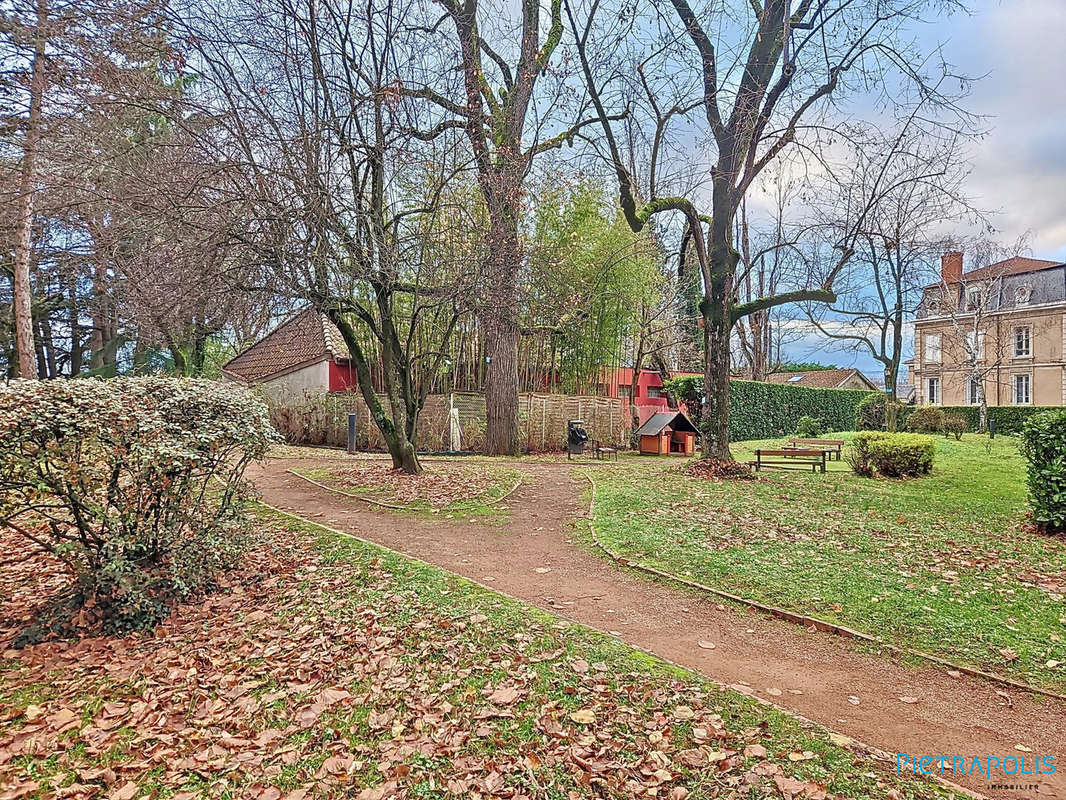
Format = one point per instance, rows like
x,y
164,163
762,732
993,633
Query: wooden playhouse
x,y
667,433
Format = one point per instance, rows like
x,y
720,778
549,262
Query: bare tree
x,y
763,82
898,249
24,346
495,107
73,69
346,200
974,343
769,261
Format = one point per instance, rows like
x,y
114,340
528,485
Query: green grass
x,y
945,563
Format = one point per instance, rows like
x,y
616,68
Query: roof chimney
x,y
951,266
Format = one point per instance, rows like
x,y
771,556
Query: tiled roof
x,y
1015,265
304,338
1010,266
816,379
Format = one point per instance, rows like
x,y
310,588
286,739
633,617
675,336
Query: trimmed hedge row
x,y
766,410
1009,419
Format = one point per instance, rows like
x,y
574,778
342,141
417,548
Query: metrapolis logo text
x,y
985,765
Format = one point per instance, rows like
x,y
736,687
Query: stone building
x,y
1005,322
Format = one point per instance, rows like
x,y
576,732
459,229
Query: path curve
x,y
818,675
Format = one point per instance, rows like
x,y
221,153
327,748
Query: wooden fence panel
x,y
322,419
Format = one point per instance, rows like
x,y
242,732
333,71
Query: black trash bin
x,y
576,437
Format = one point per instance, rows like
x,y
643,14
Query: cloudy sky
x,y
1019,168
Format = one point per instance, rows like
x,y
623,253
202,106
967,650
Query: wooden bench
x,y
790,458
831,446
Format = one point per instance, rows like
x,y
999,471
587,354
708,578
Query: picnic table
x,y
790,458
832,447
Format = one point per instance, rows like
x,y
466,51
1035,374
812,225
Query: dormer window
x,y
1022,294
973,298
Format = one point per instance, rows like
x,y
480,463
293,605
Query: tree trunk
x,y
397,441
718,322
634,412
982,412
500,322
24,225
181,366
715,416
406,458
760,357
75,331
891,401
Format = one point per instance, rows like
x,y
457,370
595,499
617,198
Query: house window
x,y
973,298
1023,345
654,391
932,391
931,348
975,345
1022,390
974,392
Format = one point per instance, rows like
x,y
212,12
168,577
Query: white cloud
x,y
1019,168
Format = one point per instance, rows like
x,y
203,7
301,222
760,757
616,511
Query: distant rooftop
x,y
305,337
819,378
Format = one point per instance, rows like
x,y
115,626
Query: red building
x,y
647,395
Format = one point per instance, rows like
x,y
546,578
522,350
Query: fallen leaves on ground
x,y
442,483
718,470
319,677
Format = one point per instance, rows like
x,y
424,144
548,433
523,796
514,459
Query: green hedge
x,y
767,410
1009,419
1044,445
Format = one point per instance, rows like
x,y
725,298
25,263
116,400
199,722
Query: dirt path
x,y
816,675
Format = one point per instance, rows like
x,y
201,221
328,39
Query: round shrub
x,y
808,427
1044,446
893,455
955,425
871,413
927,419
134,483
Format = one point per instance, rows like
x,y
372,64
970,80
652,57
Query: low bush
x,y
893,455
858,454
1008,419
134,483
926,419
808,428
1044,446
955,425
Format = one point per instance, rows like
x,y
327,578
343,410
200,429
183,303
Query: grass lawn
x,y
467,490
329,668
943,563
